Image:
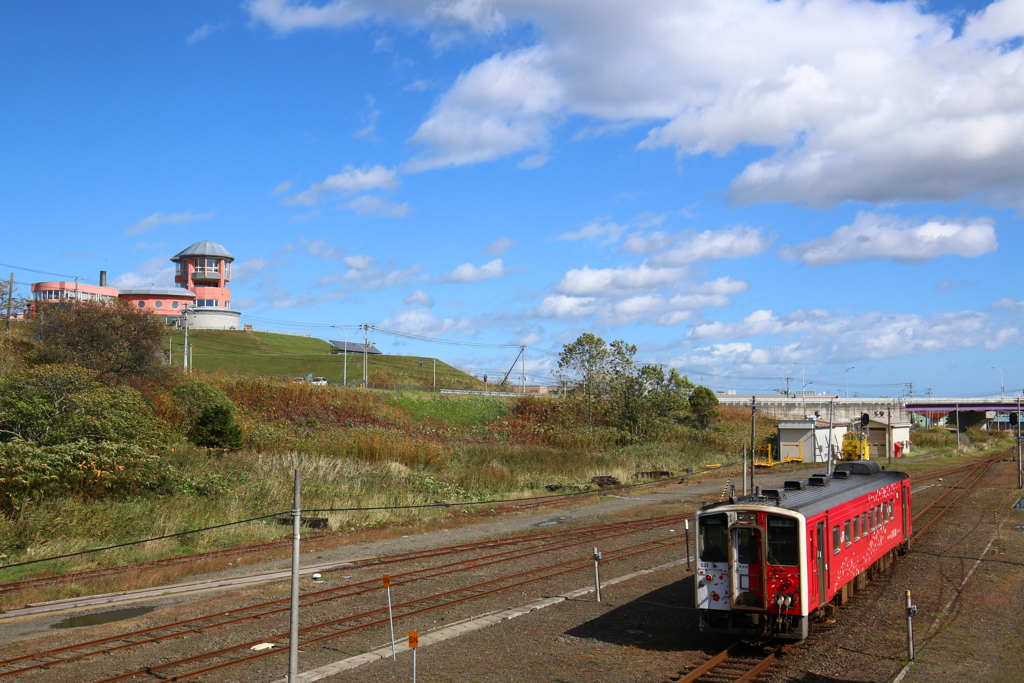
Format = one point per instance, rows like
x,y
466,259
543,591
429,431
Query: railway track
x,y
736,664
502,551
270,547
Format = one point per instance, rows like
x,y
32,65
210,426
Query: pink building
x,y
201,298
73,291
167,301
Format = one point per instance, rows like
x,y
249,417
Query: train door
x,y
820,559
903,507
746,568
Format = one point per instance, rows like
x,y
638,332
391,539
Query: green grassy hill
x,y
285,355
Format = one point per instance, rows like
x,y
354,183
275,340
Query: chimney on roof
x,y
103,278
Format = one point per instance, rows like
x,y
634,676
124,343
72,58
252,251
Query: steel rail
x,y
580,564
983,471
564,540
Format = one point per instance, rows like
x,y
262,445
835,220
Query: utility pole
x,y
184,355
293,638
434,361
1020,463
831,415
888,433
10,301
366,344
522,369
753,438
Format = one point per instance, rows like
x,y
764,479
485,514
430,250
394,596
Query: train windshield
x,y
783,546
714,538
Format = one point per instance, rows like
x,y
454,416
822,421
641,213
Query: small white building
x,y
808,440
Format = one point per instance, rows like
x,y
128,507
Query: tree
x,y
10,302
216,428
587,358
704,406
121,343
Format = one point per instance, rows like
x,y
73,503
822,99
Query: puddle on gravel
x,y
552,522
1020,504
103,617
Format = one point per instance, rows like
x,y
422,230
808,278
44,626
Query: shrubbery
x,y
208,413
81,468
56,404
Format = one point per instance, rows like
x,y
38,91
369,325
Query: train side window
x,y
890,510
836,541
871,519
856,528
864,524
714,538
878,516
783,545
846,534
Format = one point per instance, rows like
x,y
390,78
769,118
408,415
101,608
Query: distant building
x,y
353,347
201,295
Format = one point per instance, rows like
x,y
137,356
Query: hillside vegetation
x,y
109,453
283,355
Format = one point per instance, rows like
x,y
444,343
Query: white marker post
x,y
293,638
414,644
391,618
597,573
687,523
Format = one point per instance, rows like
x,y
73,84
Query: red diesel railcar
x,y
769,563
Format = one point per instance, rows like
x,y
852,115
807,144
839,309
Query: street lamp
x,y
344,371
848,380
1002,392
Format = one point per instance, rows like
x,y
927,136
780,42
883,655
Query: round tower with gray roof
x,y
205,269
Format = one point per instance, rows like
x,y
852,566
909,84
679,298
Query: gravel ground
x,y
644,630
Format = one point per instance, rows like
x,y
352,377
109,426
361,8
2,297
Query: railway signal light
x,y
864,419
1014,419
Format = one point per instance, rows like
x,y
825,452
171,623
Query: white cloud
x,y
561,306
862,101
947,285
499,107
723,285
157,219
365,274
874,335
358,262
467,272
499,246
158,271
872,236
690,246
418,297
203,32
282,188
350,180
369,204
420,321
587,281
608,232
369,131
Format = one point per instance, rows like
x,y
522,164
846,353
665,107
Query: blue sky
x,y
736,187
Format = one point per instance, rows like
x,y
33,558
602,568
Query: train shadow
x,y
662,619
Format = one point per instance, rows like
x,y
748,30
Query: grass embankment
x,y
283,355
355,448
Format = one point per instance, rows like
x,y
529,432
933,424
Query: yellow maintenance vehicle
x,y
855,441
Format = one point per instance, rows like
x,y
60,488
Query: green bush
x,y
55,404
82,468
193,396
215,428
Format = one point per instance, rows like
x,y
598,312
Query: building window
x,y
177,267
141,304
158,304
174,304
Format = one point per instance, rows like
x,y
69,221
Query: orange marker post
x,y
391,619
414,644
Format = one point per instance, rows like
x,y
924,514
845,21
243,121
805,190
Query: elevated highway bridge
x,y
971,411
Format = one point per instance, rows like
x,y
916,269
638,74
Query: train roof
x,y
849,481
